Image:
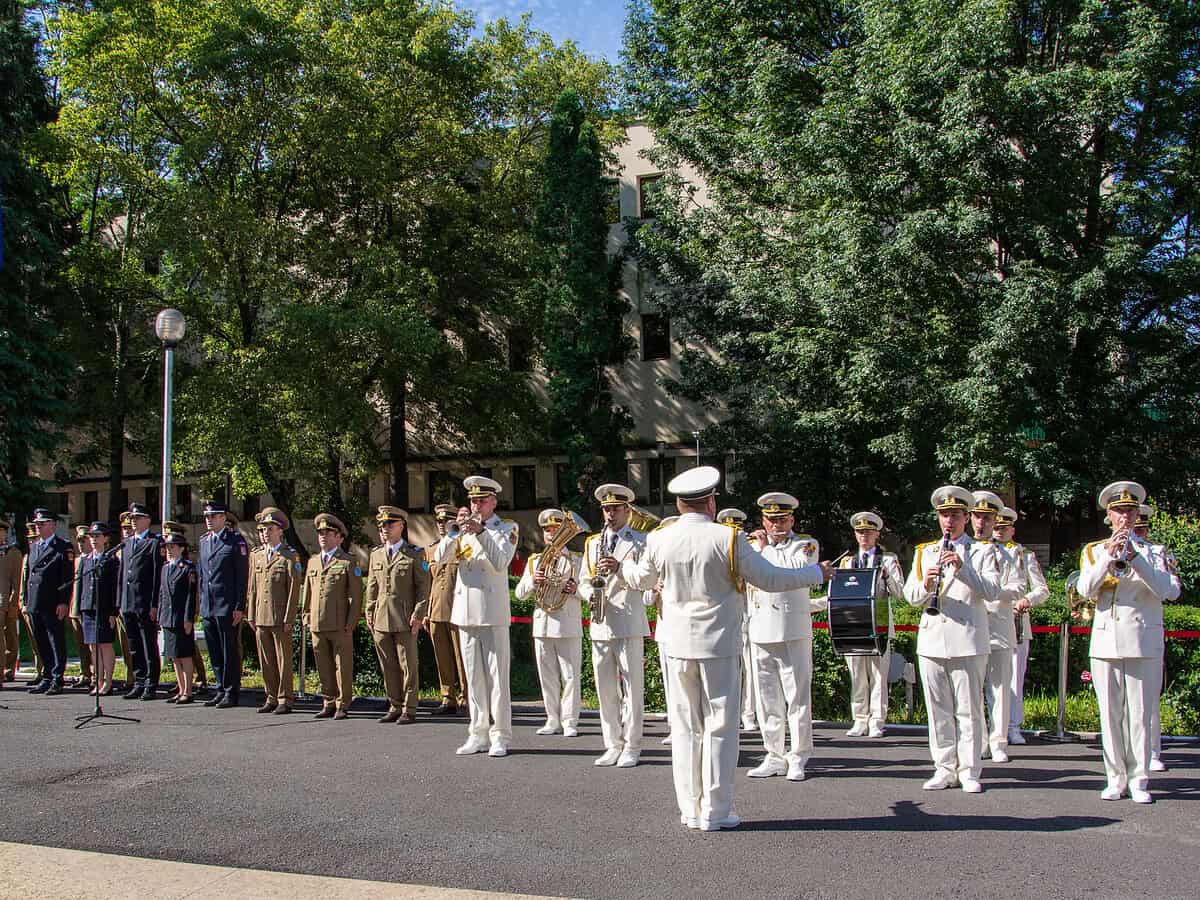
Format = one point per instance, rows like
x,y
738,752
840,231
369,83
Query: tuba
x,y
641,519
556,566
1079,607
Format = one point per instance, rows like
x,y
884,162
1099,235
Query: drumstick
x,y
840,558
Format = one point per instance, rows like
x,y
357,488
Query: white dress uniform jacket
x,y
962,628
564,622
624,605
481,590
1034,587
785,616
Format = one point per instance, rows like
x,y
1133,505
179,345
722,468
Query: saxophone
x,y
556,566
598,582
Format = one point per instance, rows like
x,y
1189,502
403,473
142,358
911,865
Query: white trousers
x,y
869,689
1127,690
785,691
751,708
487,657
705,697
666,682
953,691
1156,716
1016,695
558,661
618,664
997,689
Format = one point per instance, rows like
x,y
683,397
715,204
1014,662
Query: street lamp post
x,y
661,449
170,326
696,435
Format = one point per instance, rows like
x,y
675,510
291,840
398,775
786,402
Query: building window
x,y
183,502
447,487
153,502
660,472
612,201
656,336
524,482
520,350
650,189
91,506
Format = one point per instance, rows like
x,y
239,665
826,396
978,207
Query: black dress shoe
x,y
149,693
135,692
214,699
40,688
55,688
446,710
325,713
267,707
227,702
184,700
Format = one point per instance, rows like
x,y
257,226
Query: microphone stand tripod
x,y
98,713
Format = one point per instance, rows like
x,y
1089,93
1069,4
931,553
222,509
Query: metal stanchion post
x,y
1064,638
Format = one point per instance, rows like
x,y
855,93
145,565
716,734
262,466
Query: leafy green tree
x,y
941,241
582,307
35,232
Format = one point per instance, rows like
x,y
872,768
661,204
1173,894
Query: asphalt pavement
x,y
359,799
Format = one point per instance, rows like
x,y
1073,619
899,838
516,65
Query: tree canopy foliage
x,y
942,241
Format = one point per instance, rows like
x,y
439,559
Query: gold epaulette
x,y
1087,550
587,553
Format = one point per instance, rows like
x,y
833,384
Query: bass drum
x,y
858,618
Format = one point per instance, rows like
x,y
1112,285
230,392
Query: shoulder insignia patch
x,y
244,553
357,572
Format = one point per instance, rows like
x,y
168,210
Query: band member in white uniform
x,y
1142,529
654,598
1034,590
557,632
699,564
484,545
619,627
1129,579
781,634
1002,631
869,674
751,710
952,578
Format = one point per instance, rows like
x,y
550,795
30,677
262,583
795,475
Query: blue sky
x,y
595,25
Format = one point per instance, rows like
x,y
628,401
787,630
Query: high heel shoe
x,y
186,698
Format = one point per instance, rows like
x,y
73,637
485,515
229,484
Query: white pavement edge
x,y
28,871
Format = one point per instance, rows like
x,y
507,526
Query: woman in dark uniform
x,y
98,606
177,613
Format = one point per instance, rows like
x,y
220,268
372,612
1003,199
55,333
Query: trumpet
x,y
1123,547
456,526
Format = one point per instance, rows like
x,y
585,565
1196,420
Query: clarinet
x,y
932,609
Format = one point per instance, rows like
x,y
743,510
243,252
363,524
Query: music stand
x,y
98,713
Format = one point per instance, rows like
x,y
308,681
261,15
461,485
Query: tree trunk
x,y
398,439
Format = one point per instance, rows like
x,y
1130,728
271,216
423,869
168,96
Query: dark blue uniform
x,y
176,606
224,576
141,569
98,600
51,574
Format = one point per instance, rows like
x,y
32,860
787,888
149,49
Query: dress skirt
x,y
177,644
97,630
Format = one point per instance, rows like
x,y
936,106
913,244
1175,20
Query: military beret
x,y
329,521
1122,493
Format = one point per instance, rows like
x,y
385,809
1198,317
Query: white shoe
x,y
497,750
1112,792
940,782
570,731
666,740
1015,736
795,770
971,786
730,821
608,758
749,726
691,822
471,746
767,768
1140,796
1000,756
1157,765
548,728
875,732
857,731
629,759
